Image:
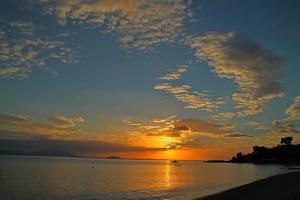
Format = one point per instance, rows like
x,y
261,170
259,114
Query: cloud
x,y
181,128
158,127
189,144
223,116
276,122
167,134
178,133
257,125
62,121
18,120
252,123
7,71
254,69
293,111
175,75
285,128
22,50
61,133
130,123
61,127
274,138
172,146
205,127
192,99
290,128
140,24
164,120
236,135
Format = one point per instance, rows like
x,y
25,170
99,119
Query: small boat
x,y
176,163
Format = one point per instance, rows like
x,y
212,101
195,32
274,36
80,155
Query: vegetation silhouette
x,y
285,153
286,140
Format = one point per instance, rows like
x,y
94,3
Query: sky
x,y
153,79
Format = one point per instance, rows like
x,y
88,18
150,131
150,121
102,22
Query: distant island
x,y
216,161
112,157
285,153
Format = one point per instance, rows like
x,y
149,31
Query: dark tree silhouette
x,y
259,149
284,153
286,140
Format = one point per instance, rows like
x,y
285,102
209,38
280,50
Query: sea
x,y
54,178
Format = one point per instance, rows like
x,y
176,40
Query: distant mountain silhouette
x,y
113,157
215,161
285,153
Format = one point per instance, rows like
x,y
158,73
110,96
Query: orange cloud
x,y
253,68
175,75
206,127
192,99
61,127
27,51
137,23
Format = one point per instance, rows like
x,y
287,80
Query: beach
x,y
283,186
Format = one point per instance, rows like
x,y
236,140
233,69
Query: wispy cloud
x,y
293,111
237,135
253,68
175,75
195,133
206,127
140,24
257,125
276,122
64,122
223,116
284,127
183,93
252,123
192,99
174,127
57,127
59,133
175,133
23,50
158,127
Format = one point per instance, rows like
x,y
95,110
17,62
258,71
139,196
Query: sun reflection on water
x,y
168,174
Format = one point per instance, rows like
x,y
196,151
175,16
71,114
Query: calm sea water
x,y
47,178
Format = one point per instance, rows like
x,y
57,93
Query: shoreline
x,y
283,186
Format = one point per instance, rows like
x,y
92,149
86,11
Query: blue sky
x,y
102,69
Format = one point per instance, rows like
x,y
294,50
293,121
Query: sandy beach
x,y
284,186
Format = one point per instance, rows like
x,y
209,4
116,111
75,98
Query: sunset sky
x,y
160,79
